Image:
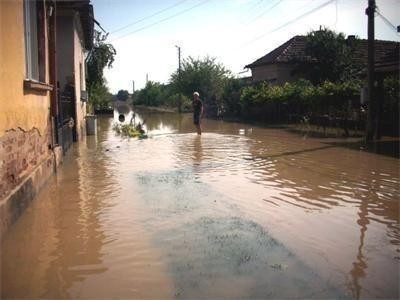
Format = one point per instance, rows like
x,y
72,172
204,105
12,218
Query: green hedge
x,y
303,93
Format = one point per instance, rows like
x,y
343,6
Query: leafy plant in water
x,y
129,130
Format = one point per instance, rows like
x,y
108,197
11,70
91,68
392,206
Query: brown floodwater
x,y
240,212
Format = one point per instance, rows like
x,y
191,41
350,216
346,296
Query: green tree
x,y
101,56
122,95
203,75
231,96
100,97
328,56
153,94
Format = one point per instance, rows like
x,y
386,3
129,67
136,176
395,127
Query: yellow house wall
x,y
17,109
26,160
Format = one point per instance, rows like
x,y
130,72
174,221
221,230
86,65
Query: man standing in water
x,y
197,111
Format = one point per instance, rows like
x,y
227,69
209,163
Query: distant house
x,y
277,66
41,43
386,66
389,63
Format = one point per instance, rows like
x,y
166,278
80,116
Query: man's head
x,y
196,95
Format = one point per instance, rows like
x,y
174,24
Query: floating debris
x,y
129,130
279,266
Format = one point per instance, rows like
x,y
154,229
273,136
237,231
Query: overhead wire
x,y
255,5
386,21
291,21
336,13
148,17
162,20
250,10
266,11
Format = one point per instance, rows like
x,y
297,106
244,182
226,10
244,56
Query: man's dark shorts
x,y
196,120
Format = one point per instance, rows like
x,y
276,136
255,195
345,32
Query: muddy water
x,y
239,212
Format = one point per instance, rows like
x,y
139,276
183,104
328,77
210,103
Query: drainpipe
x,y
53,67
51,10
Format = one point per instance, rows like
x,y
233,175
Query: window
x,y
35,40
84,95
81,76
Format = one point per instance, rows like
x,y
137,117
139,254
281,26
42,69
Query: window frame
x,y
35,41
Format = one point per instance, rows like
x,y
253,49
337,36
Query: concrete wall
x,y
26,158
264,73
273,73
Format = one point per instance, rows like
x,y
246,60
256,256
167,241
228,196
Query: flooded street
x,y
239,212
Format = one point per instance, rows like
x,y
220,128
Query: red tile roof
x,y
294,48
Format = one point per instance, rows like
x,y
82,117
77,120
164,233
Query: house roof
x,y
86,15
389,63
385,51
295,48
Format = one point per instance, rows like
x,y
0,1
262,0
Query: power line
x,y
386,21
162,20
149,16
292,21
243,17
336,13
265,12
252,7
255,5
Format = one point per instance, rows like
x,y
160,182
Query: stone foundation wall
x,y
20,152
26,162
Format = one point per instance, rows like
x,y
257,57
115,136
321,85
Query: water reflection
x,y
197,151
347,184
359,266
123,113
224,214
63,244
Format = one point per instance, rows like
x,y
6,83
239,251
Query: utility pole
x,y
371,126
179,60
133,91
179,79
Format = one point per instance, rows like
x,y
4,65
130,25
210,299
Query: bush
x,y
303,92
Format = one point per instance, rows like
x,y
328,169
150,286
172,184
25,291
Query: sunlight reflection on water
x,y
252,213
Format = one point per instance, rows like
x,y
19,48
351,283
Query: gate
x,y
66,121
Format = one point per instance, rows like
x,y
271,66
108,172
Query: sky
x,y
147,33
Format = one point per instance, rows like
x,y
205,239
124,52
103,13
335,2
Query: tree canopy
x,y
101,56
203,75
329,56
122,95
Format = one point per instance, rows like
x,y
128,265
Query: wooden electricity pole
x,y
179,79
371,126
